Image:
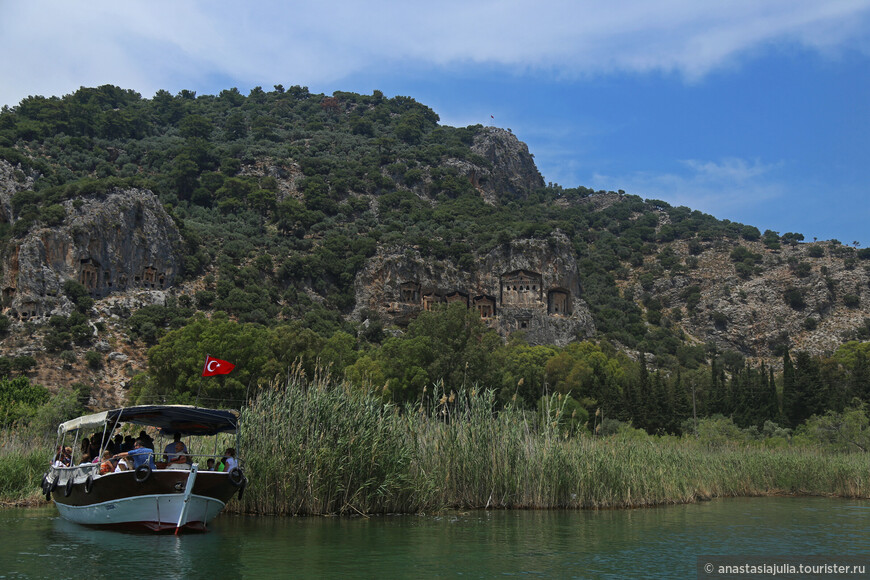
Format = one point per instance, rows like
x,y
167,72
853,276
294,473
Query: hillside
x,y
121,218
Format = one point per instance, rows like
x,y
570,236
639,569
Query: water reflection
x,y
654,543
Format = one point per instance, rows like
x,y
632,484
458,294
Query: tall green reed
x,y
23,461
321,446
315,447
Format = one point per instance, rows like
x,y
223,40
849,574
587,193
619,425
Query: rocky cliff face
x,y
511,173
121,241
807,297
529,286
12,180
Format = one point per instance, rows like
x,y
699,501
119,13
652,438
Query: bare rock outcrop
x,y
511,172
514,173
806,297
120,241
529,286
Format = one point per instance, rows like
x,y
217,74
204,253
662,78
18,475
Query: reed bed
x,y
317,447
23,462
323,447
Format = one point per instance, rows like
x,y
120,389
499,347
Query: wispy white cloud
x,y
54,46
722,188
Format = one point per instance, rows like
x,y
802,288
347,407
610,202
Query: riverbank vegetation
x,y
317,444
323,446
454,345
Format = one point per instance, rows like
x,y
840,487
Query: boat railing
x,y
201,459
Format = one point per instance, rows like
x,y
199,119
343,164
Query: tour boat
x,y
172,496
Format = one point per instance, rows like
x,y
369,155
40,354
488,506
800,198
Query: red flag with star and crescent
x,y
215,366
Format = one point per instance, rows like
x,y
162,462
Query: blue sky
x,y
753,111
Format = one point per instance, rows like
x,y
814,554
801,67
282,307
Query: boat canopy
x,y
170,419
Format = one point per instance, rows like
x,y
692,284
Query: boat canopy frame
x,y
169,419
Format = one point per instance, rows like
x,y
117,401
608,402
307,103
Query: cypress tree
x,y
859,384
642,394
802,395
660,410
809,385
788,388
744,392
767,403
682,399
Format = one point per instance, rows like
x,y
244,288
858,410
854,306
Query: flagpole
x,y
199,390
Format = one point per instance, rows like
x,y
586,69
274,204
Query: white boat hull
x,y
153,511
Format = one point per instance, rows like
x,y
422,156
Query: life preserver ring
x,y
89,483
143,472
46,487
236,476
67,490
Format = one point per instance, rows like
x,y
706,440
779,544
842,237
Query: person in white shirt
x,y
230,459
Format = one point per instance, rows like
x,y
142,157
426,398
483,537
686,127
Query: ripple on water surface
x,y
656,543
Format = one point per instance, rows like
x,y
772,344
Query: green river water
x,y
643,543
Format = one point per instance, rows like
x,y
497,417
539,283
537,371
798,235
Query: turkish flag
x,y
215,366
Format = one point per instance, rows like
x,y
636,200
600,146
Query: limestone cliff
x,y
808,297
529,286
121,241
511,170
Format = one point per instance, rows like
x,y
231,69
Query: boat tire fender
x,y
67,490
89,483
143,473
46,487
236,476
53,485
242,488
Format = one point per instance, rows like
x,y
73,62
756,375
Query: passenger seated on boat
x,y
86,459
209,464
128,444
94,449
140,455
146,440
63,457
174,449
116,444
107,466
229,459
122,465
179,460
